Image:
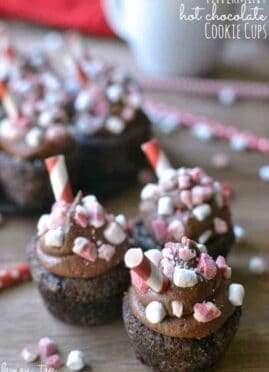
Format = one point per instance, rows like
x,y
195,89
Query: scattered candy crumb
x,y
75,360
54,361
257,265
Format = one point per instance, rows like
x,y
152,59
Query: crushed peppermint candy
x,y
206,312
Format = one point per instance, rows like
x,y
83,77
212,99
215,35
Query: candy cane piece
x,y
59,178
14,275
146,270
156,157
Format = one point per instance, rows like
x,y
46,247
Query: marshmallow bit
x,y
47,346
89,199
115,125
264,173
168,174
227,96
239,233
150,191
257,265
205,236
45,119
155,312
83,101
29,355
202,248
154,255
184,278
236,294
177,308
202,132
114,233
106,252
238,143
201,212
54,238
206,312
42,224
34,137
75,360
121,219
165,206
114,93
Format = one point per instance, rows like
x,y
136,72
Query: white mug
x,y
161,42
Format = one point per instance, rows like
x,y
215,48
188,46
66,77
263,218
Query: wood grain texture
x,y
23,317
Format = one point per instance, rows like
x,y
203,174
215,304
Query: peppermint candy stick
x,y
14,275
59,178
136,260
156,157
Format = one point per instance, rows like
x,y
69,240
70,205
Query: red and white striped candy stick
x,y
156,157
136,260
14,275
59,178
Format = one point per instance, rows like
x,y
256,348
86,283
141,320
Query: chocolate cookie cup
x,y
185,202
182,311
76,260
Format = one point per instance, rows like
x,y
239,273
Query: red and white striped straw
x,y
8,102
136,260
59,178
156,157
14,275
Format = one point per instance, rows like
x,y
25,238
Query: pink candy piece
x,y
47,346
160,229
196,174
85,249
176,230
172,247
139,283
81,216
225,270
184,181
106,252
186,197
206,312
220,225
168,267
54,361
206,266
29,355
186,254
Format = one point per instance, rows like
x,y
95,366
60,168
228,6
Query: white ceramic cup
x,y
161,42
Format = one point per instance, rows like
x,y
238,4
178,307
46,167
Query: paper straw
x,y
156,157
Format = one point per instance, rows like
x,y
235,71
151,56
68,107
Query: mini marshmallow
x,y
115,125
114,233
184,181
264,173
257,265
150,191
165,206
155,312
114,93
239,233
177,308
202,132
83,101
88,199
184,278
205,236
121,219
201,212
168,174
34,137
236,294
238,143
106,252
42,224
45,119
47,346
202,248
154,255
227,96
8,130
54,238
75,360
29,355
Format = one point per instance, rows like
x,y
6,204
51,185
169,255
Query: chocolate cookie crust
x,y
218,246
168,354
78,300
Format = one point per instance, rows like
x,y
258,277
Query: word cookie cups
x,y
182,311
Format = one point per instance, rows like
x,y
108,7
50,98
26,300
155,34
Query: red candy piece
x,y
160,229
47,346
206,266
81,216
139,283
54,361
206,312
14,275
225,270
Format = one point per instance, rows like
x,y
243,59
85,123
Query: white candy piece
x,y
227,96
115,125
45,119
184,278
264,173
121,219
238,143
236,294
54,238
89,199
75,360
177,308
154,255
43,223
150,191
34,137
114,93
202,132
202,248
155,312
257,265
201,212
203,238
83,101
168,174
165,206
114,233
239,233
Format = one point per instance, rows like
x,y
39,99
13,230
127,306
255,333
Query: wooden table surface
x,y
23,317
